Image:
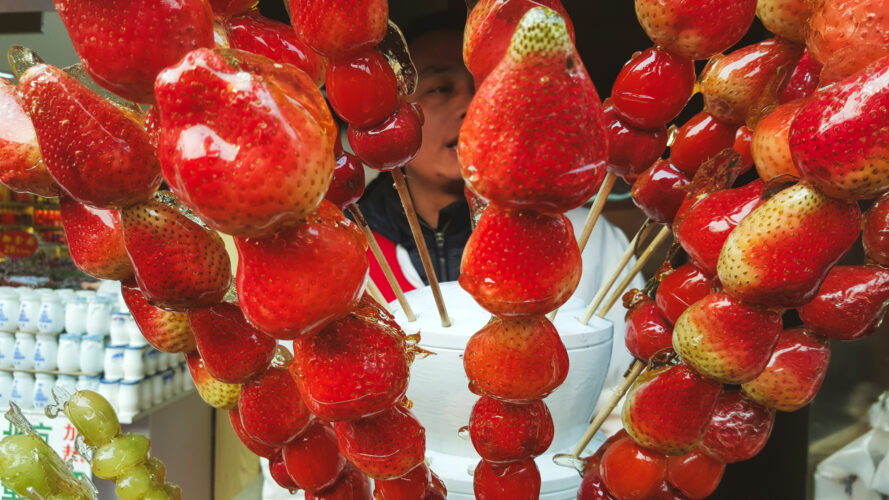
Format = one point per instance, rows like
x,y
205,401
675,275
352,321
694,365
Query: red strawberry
x,y
875,231
668,408
362,89
506,432
804,79
771,143
648,332
631,472
851,303
249,157
179,265
785,18
695,474
794,373
124,44
21,165
272,411
352,485
738,429
592,487
630,150
738,87
800,222
153,125
660,190
278,471
231,7
847,35
96,152
392,143
703,229
680,289
232,350
520,263
507,346
95,240
384,446
355,366
411,486
726,339
313,459
695,29
299,280
340,28
699,139
348,181
548,151
653,88
743,142
215,393
490,26
275,40
259,449
437,489
515,480
839,138
166,331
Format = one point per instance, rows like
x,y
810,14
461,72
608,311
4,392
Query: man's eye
x,y
440,90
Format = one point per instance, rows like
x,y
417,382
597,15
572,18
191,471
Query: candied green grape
x,y
93,417
157,469
135,483
26,461
174,491
157,494
113,459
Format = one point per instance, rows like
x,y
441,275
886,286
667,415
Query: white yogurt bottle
x,y
42,394
88,383
134,334
118,329
128,397
157,389
46,352
23,355
5,389
64,294
67,383
22,390
9,310
113,361
98,316
109,389
168,384
145,393
133,366
87,294
69,352
7,349
52,314
92,354
29,313
152,359
75,315
163,361
177,381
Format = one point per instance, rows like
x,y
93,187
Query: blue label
x,y
23,318
18,354
3,315
38,356
15,392
44,317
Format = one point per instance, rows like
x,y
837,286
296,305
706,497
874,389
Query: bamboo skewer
x,y
377,295
381,260
407,202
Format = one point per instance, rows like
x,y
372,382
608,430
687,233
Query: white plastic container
x,y
69,352
98,316
52,314
9,310
109,389
118,329
134,334
113,361
46,352
29,313
177,381
163,362
168,384
75,315
64,294
23,356
86,294
5,389
22,392
145,392
128,397
157,389
42,395
7,349
133,367
88,383
92,354
152,359
67,383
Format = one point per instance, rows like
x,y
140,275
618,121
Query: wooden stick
x,y
632,374
643,259
641,234
381,260
377,295
408,204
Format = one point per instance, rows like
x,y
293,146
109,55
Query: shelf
x,y
29,226
129,419
21,204
50,372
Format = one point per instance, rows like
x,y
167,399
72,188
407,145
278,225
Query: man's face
x,y
444,90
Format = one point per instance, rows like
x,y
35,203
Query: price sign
x,y
17,244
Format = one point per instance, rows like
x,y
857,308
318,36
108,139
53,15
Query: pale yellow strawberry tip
x,y
541,30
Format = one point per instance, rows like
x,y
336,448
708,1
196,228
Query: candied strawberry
x,y
179,265
259,449
166,331
384,446
631,472
362,89
647,330
548,151
392,143
743,141
340,28
232,7
803,81
851,303
21,165
799,221
247,158
794,374
278,277
699,139
313,459
839,139
215,393
347,186
695,29
653,88
278,471
124,44
437,489
515,480
520,263
680,289
668,408
352,485
506,432
95,240
660,190
630,150
738,429
785,18
847,35
275,40
695,474
771,142
874,233
272,411
411,486
353,367
592,487
233,351
97,153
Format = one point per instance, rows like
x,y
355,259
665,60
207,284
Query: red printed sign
x,y
17,244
